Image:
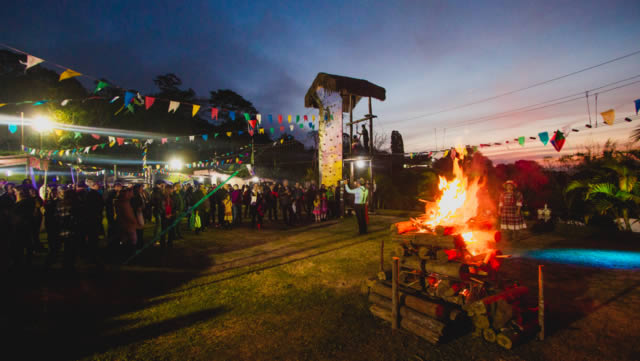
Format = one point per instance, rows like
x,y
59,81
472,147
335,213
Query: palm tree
x,y
613,190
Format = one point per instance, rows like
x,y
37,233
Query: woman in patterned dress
x,y
511,220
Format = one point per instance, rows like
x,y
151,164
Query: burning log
x,y
403,227
418,239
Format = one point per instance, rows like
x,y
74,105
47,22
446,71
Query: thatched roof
x,y
345,86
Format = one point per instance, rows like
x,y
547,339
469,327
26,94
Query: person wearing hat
x,y
511,220
360,194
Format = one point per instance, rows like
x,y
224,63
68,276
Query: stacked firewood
x,y
425,318
443,288
501,317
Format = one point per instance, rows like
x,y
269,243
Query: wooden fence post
x,y
394,292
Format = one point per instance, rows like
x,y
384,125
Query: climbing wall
x,y
330,139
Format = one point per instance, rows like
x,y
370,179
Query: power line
x,y
517,90
546,104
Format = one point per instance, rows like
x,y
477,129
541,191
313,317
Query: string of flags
x,y
130,99
557,138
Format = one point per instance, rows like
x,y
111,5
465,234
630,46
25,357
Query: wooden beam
x,y
366,117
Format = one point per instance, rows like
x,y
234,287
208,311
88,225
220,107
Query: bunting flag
x,y
271,130
173,106
31,62
2,104
289,118
637,101
229,134
232,115
41,102
76,135
95,136
148,102
291,127
58,132
114,99
205,137
251,133
252,123
544,137
521,141
192,138
120,141
246,116
259,118
313,118
163,141
195,110
67,74
13,128
261,131
301,125
101,85
608,116
128,96
297,119
282,128
558,140
214,113
280,118
65,102
270,118
305,118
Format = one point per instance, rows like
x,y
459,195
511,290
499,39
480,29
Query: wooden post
x,y
540,302
395,271
350,126
382,255
370,130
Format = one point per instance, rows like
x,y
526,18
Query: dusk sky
x,y
429,55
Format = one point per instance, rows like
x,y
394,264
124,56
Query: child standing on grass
x,y
228,212
324,205
316,207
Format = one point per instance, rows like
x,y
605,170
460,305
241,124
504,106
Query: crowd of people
x,y
89,217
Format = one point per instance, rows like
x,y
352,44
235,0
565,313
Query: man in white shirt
x,y
360,200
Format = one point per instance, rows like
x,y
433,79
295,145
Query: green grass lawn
x,y
285,295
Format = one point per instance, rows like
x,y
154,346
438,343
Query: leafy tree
x,y
613,189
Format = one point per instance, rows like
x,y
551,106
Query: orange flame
x,y
456,206
458,203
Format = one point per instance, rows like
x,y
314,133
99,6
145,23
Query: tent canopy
x,y
346,87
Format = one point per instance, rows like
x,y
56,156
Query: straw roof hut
x,y
345,86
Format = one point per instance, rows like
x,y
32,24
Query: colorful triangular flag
x,y
259,118
195,110
173,106
232,115
13,128
246,116
544,137
637,102
558,140
101,85
31,62
148,102
609,116
128,96
521,141
68,74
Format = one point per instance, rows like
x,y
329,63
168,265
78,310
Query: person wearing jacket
x,y
94,213
158,207
178,206
360,200
138,205
127,222
236,200
169,217
285,205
